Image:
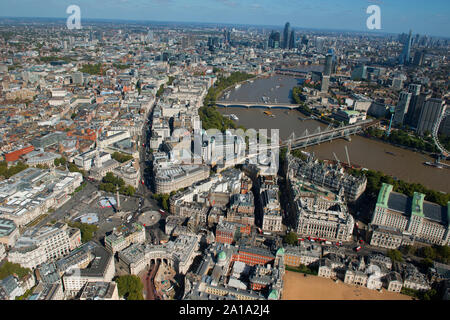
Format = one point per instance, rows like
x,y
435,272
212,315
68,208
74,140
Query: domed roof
x,y
222,256
273,294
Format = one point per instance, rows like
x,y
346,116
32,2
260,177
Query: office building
x,y
9,233
325,84
123,236
274,40
415,108
271,211
320,42
429,115
286,33
176,177
402,107
96,265
292,43
31,192
319,217
38,245
359,73
100,291
304,254
10,288
414,89
419,58
405,55
77,78
178,254
409,219
328,69
324,175
397,83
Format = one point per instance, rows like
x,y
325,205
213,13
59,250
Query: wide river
x,y
397,162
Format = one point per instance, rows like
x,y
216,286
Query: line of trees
x,y
395,255
429,253
302,269
120,66
223,83
60,161
110,183
73,168
421,295
210,117
376,178
160,91
400,137
12,170
213,119
163,199
55,58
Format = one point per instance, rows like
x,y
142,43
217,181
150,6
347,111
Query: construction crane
x,y
348,158
334,154
392,110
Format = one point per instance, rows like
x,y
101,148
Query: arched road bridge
x,y
269,105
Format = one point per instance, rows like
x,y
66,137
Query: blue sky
x,y
424,17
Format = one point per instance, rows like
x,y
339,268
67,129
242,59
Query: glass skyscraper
x,y
292,40
287,29
404,57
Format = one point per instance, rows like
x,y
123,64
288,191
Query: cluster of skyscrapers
x,y
418,109
288,41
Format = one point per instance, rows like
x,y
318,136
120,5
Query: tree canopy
x,y
130,287
210,117
395,255
401,137
9,268
118,156
87,230
163,200
291,238
110,183
12,170
93,69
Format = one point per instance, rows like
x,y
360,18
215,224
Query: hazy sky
x,y
430,17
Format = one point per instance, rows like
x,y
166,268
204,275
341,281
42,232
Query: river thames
x,y
401,163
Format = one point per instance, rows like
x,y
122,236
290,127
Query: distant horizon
x,y
368,32
397,16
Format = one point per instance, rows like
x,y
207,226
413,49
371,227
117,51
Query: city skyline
x,y
348,15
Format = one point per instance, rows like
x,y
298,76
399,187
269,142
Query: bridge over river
x,y
269,105
329,134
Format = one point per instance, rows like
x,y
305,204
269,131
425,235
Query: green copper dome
x,y
222,256
273,294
